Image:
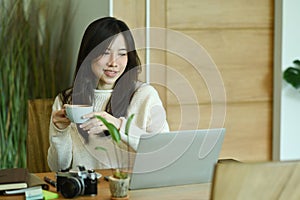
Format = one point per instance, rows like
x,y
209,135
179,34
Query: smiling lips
x,y
110,73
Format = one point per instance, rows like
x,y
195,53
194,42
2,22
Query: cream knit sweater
x,y
68,149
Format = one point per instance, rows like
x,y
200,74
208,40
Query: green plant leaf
x,y
100,148
292,76
120,174
128,124
297,62
113,131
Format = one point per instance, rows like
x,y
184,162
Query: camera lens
x,y
71,187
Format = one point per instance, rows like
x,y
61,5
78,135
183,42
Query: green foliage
x,y
113,131
292,74
101,148
120,174
128,124
34,37
116,137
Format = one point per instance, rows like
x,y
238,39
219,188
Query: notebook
x,y
19,180
13,178
176,158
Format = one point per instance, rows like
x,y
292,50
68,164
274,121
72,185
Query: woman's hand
x,y
95,125
60,120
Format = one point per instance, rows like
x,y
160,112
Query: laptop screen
x,y
176,158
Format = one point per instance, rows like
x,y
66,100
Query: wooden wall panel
x,y
249,131
158,57
247,125
131,11
238,35
236,48
243,58
242,85
192,14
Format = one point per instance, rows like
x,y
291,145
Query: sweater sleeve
x,y
149,115
60,150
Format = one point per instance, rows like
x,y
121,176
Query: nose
x,y
112,61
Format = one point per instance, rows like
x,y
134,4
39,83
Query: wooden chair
x,y
264,180
39,112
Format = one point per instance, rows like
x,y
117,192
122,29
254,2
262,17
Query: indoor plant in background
x,y
292,74
119,180
34,48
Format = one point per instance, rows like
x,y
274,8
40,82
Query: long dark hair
x,y
97,37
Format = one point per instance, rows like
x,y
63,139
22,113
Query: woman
x,y
106,77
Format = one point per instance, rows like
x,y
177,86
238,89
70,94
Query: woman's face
x,y
111,65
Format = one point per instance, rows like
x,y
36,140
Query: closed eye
x,y
123,54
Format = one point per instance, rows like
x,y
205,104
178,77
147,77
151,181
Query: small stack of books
x,y
19,180
15,178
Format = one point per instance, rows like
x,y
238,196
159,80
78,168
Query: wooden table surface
x,y
186,192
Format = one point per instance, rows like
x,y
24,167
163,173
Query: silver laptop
x,y
176,158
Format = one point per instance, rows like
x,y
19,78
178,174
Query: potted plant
x,y
292,74
119,180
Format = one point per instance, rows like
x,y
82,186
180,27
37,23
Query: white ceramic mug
x,y
76,112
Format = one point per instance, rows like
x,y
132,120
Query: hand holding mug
x,y
60,119
95,125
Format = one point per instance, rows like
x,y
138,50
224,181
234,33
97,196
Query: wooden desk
x,y
194,191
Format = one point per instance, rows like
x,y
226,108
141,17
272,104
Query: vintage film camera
x,y
74,183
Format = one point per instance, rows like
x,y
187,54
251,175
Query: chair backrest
x,y
264,180
37,144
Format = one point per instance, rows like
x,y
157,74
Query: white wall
x,y
286,128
